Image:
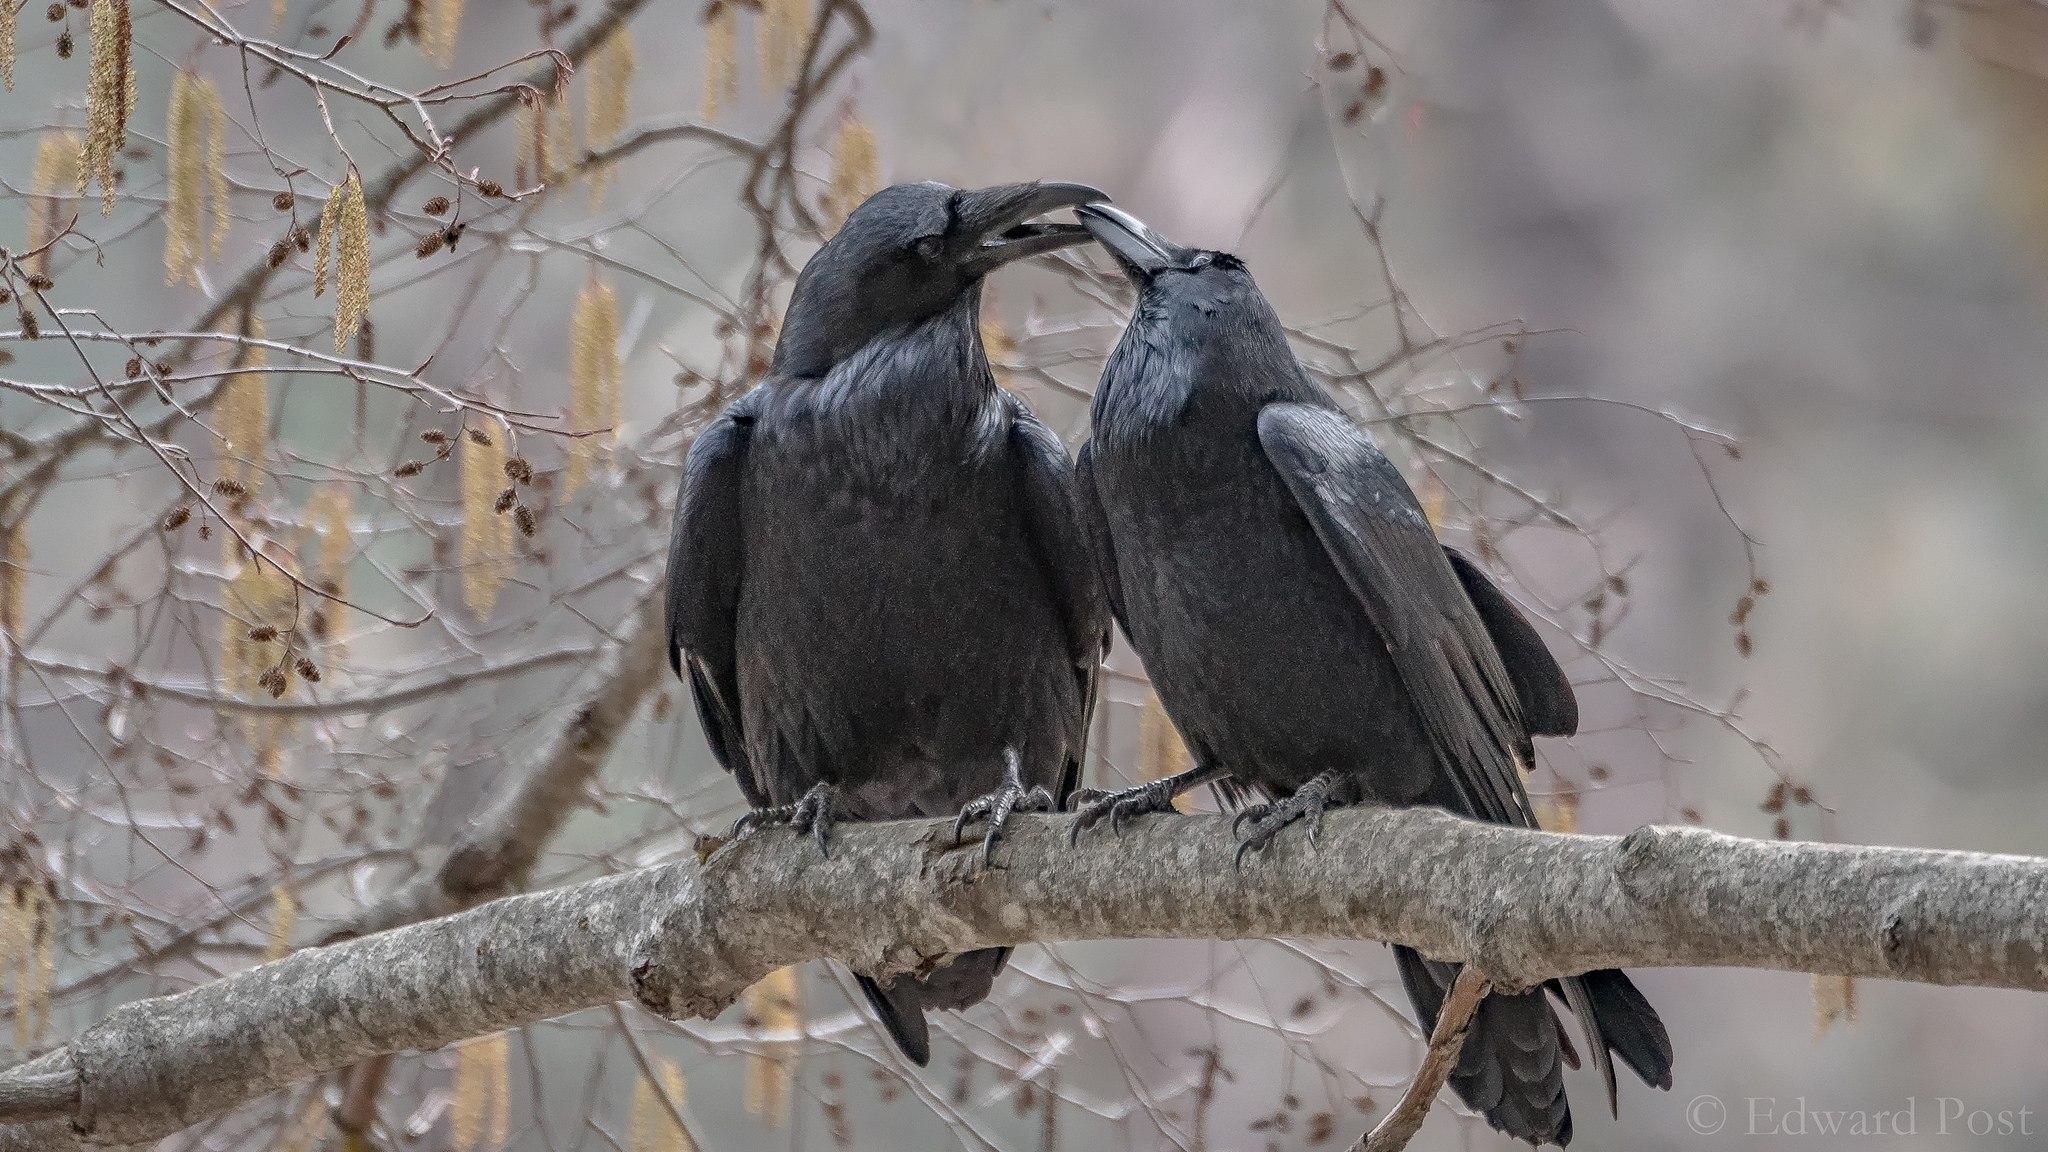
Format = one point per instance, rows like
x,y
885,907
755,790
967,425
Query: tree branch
x,y
1400,1125
1524,906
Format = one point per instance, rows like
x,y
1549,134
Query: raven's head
x,y
1203,305
910,252
1158,265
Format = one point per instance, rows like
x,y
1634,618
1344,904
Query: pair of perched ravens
x,y
891,589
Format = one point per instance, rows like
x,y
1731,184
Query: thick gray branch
x,y
1525,906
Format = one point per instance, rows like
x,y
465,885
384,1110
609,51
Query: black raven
x,y
877,582
1311,638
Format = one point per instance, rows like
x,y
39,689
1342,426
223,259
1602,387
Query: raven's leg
x,y
1012,796
1308,801
813,813
1091,805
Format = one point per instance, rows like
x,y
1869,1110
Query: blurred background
x,y
1713,329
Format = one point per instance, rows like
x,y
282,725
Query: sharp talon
x,y
1010,796
811,813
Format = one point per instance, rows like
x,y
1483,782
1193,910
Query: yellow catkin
x,y
775,1005
13,568
561,154
856,167
524,126
466,1110
594,379
351,263
32,943
278,8
486,533
1433,496
258,595
327,514
1161,752
1834,998
324,243
442,23
184,159
784,25
721,59
1558,813
654,1128
481,1114
284,916
243,414
216,163
299,1135
7,11
57,175
109,95
500,1120
46,969
606,104
14,944
996,341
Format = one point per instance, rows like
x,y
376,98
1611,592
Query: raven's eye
x,y
1201,260
927,247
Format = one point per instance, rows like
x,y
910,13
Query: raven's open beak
x,y
996,220
1139,249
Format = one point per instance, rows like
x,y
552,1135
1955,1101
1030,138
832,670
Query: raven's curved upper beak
x,y
1138,248
995,220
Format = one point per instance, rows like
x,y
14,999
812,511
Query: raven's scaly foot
x,y
1307,802
1012,796
1091,805
813,813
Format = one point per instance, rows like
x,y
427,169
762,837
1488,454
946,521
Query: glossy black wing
x,y
1372,527
1549,707
704,564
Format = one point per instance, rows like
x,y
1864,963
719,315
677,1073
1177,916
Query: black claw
x,y
1306,803
1011,796
811,813
1091,805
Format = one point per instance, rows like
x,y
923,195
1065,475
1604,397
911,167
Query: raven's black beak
x,y
1139,249
993,222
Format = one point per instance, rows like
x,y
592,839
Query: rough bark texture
x,y
1522,905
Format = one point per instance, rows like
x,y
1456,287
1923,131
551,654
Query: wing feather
x,y
1373,529
705,554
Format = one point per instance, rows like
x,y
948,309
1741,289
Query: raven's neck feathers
x,y
933,372
1179,354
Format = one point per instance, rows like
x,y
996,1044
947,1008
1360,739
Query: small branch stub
x,y
33,1097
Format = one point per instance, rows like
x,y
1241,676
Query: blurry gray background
x,y
1818,226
